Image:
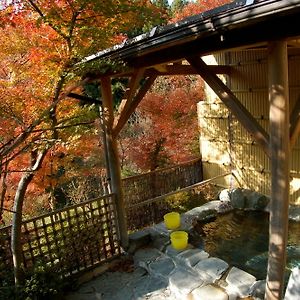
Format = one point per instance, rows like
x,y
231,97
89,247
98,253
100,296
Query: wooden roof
x,y
239,24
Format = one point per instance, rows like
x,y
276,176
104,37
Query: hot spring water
x,y
241,239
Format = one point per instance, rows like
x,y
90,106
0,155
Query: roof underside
x,y
234,25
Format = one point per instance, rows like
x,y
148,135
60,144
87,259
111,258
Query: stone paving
x,y
163,273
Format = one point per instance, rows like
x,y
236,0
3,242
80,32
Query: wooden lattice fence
x,y
140,188
84,235
70,240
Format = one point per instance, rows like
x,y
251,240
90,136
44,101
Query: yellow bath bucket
x,y
179,240
172,220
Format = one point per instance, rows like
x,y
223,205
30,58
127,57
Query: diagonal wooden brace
x,y
129,94
132,105
232,103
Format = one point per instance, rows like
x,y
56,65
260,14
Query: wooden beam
x,y
279,141
129,94
232,102
114,161
133,105
295,124
176,69
168,70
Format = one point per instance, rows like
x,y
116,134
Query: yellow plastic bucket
x,y
172,220
179,240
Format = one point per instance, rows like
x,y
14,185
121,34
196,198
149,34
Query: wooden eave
x,y
230,26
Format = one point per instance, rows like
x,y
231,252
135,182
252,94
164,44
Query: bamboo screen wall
x,y
225,144
70,240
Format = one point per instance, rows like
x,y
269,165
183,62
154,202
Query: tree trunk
x,y
3,191
16,246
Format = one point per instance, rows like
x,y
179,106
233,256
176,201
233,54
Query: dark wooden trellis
x,y
69,240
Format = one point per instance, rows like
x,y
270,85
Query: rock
x,y
257,290
238,198
195,237
294,213
224,207
182,282
159,228
160,242
143,257
203,213
211,269
138,239
191,257
293,287
256,201
225,195
247,199
209,292
170,251
240,281
162,267
147,285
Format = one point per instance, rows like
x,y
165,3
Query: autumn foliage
x,y
41,43
197,7
166,130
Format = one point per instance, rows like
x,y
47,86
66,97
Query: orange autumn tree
x,y
196,7
166,130
41,42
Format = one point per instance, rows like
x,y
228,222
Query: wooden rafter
x,y
295,123
129,94
232,102
133,104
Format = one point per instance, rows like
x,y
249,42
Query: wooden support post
x,y
113,160
279,142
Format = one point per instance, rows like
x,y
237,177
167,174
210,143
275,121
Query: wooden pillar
x,y
279,144
113,160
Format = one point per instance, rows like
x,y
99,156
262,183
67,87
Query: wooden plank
x,y
232,103
279,141
295,124
133,105
129,94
